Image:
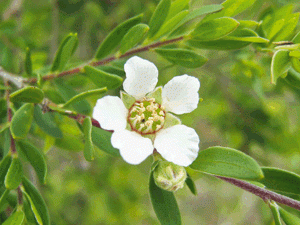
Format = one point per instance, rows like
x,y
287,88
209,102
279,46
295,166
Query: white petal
x,y
178,144
141,77
180,95
111,113
133,147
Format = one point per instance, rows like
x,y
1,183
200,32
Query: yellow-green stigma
x,y
146,116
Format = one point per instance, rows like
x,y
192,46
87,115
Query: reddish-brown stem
x,y
107,60
20,196
9,117
263,193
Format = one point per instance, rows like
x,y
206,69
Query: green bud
x,y
169,176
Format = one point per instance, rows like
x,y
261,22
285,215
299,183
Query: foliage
x,y
58,57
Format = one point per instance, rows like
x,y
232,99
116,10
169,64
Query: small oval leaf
x,y
88,145
35,158
64,52
183,57
3,197
115,37
37,200
279,65
214,29
295,64
103,79
281,181
133,37
275,211
293,78
288,218
15,219
67,92
4,166
46,123
164,204
171,24
191,185
84,95
159,16
28,94
21,121
14,174
227,162
101,138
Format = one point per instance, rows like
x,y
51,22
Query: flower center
x,y
146,116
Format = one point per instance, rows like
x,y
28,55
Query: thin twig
x,y
106,60
262,193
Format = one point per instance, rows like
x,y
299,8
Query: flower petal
x,y
141,77
178,144
180,95
133,147
111,113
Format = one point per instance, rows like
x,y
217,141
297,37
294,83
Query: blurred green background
x,y
240,109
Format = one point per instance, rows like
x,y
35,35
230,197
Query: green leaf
x,y
247,39
37,201
113,70
293,78
21,121
275,211
279,65
7,61
29,215
35,158
225,43
248,24
288,218
214,29
191,185
64,52
88,145
295,54
46,123
15,219
183,57
227,162
164,204
159,16
133,37
28,63
101,138
37,218
127,99
231,8
4,127
67,92
295,64
84,95
288,29
103,79
4,166
3,197
28,94
171,24
281,181
115,37
70,142
199,12
176,7
14,174
296,39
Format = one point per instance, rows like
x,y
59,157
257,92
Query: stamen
x,y
162,113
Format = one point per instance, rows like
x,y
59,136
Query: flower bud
x,y
169,176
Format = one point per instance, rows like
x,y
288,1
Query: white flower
x,y
141,120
